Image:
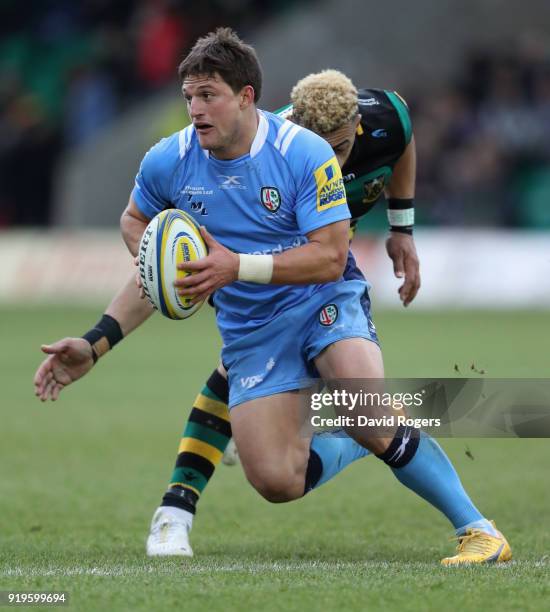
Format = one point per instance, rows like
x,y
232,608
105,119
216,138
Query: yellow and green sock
x,y
204,440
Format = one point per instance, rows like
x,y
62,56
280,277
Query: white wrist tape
x,y
401,217
255,268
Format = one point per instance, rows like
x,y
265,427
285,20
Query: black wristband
x,y
400,203
408,229
103,336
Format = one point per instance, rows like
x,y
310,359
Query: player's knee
x,y
274,484
276,492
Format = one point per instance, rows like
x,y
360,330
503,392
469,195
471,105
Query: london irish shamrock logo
x,y
271,198
328,315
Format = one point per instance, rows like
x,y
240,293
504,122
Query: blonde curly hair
x,y
324,101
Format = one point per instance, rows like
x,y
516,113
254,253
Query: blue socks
x,y
431,475
330,453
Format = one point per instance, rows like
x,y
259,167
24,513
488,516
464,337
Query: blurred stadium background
x,y
85,89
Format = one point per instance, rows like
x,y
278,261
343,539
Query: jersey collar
x,y
261,135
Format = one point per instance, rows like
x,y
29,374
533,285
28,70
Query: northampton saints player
x,y
370,132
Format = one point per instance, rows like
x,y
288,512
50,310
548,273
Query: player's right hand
x,y
402,252
67,361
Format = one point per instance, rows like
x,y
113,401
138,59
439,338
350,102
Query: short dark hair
x,y
224,52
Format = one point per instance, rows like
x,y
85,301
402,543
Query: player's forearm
x,y
132,230
310,264
321,260
403,180
128,308
400,193
125,312
132,226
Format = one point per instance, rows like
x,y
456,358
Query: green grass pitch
x,y
80,479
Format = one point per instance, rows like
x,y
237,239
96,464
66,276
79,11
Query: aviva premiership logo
x,y
271,198
328,315
330,185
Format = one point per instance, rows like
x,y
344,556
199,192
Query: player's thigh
x,y
273,444
350,358
354,366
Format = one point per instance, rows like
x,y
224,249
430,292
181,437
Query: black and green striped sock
x,y
204,440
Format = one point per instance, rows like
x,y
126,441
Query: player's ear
x,y
356,121
247,96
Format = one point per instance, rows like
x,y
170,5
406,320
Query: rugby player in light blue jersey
x,y
278,241
370,132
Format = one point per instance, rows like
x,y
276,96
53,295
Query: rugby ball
x,y
171,238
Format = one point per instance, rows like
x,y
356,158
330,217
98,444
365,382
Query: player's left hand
x,y
402,252
218,269
68,360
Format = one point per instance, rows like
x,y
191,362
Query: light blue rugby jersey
x,y
264,202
